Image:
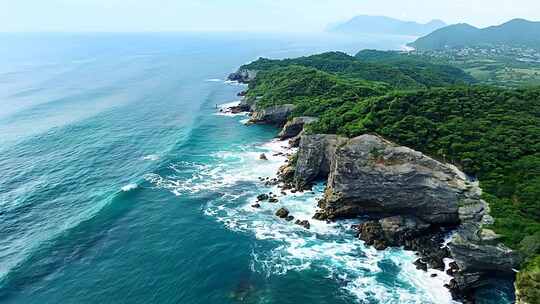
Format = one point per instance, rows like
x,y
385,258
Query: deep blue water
x,y
119,183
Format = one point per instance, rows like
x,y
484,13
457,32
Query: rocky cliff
x,y
243,76
295,127
371,175
314,158
276,115
414,198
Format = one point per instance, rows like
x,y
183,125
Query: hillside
x,y
385,25
517,33
423,69
407,75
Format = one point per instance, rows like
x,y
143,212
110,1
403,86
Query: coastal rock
x,y
295,126
276,115
295,141
263,157
478,261
421,265
282,213
304,223
286,173
262,197
391,231
315,154
478,254
243,76
370,175
397,229
241,108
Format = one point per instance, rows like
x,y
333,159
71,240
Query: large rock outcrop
x,y
276,115
373,176
295,126
315,155
243,76
414,199
477,251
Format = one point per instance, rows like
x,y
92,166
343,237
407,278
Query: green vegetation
x,y
408,75
505,55
492,133
528,282
502,66
313,91
420,68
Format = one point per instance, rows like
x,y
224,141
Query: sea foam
x,y
129,187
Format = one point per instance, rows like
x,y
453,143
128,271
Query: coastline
x,y
432,246
430,281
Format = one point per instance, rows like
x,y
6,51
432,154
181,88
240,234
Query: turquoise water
x,y
121,183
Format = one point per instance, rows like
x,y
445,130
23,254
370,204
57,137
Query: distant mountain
x,y
385,25
517,32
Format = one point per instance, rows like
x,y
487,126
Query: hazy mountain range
x,y
516,32
364,24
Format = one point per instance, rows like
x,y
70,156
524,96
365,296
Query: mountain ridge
x,y
516,32
367,24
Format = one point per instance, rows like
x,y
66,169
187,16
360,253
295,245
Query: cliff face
x,y
243,76
411,194
371,175
315,156
294,127
276,115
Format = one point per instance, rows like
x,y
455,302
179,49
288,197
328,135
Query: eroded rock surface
x,y
315,155
294,127
370,175
276,115
243,76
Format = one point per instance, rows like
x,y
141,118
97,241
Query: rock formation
x,y
314,157
276,115
413,198
294,127
243,76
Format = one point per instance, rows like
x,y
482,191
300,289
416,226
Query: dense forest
x,y
492,133
407,75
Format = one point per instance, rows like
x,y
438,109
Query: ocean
x,y
121,182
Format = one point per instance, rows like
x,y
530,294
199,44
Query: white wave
x,y
129,187
234,83
245,121
231,167
229,104
224,109
151,157
214,80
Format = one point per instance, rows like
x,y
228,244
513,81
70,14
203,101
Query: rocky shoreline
x,y
405,198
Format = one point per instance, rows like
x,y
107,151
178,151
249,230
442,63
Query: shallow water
x,y
120,182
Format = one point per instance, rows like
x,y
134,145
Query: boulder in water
x,y
282,213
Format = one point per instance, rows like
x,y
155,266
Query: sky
x,y
243,15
